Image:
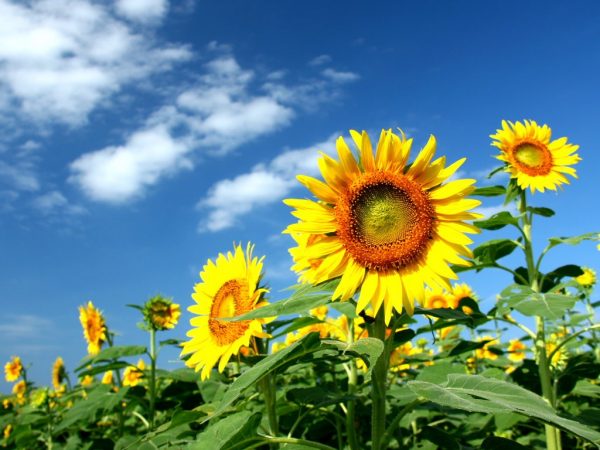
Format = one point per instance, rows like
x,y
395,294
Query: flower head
x,y
107,378
7,431
161,313
531,158
58,374
386,227
229,288
19,389
587,278
94,327
13,369
485,352
516,350
132,375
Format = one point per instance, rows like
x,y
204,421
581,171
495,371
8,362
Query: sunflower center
x,y
385,220
230,300
532,158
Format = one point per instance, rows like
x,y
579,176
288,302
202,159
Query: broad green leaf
x,y
348,308
480,394
297,324
303,299
438,373
586,389
489,191
368,349
114,352
250,377
574,240
541,211
467,346
491,251
531,303
497,221
227,431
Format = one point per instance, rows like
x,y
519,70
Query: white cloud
x,y
320,60
19,176
340,77
24,326
221,112
54,202
230,199
145,11
61,59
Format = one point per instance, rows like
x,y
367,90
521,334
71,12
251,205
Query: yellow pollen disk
x,y
387,228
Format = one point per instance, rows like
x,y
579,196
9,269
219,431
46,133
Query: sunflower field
x,y
379,346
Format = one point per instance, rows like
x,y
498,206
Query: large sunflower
x,y
385,226
531,158
229,288
94,327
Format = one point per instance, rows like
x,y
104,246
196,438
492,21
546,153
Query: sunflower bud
x,y
161,313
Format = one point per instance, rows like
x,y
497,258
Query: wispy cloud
x,y
18,326
60,60
320,60
226,108
144,11
230,199
339,76
54,202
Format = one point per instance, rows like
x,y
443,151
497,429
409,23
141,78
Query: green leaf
x,y
500,443
250,377
297,324
574,240
114,352
488,395
489,191
531,303
347,309
467,346
368,349
95,370
438,373
440,438
497,221
304,298
226,432
586,389
174,342
491,251
541,211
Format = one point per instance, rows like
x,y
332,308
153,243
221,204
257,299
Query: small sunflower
x,y
386,227
485,352
229,288
459,292
437,298
58,374
7,431
161,313
94,327
86,380
587,278
516,350
19,389
13,369
107,378
132,375
531,158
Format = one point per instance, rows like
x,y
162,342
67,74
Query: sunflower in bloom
x,y
19,389
485,352
437,298
13,369
587,278
58,374
94,327
107,378
7,431
386,227
536,162
516,350
133,375
229,288
161,313
459,292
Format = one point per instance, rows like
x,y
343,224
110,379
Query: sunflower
x,y
531,158
58,374
20,389
107,378
587,278
485,352
516,350
161,313
94,327
459,292
229,288
7,431
385,227
133,374
437,298
13,369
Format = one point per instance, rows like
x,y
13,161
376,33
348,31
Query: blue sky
x,y
140,137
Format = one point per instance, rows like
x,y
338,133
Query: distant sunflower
x,y
58,374
386,227
461,291
13,369
587,278
107,378
516,350
94,327
531,158
20,389
132,375
161,313
437,298
229,288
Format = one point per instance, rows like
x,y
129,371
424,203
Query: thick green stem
x,y
152,383
351,406
288,440
552,433
378,386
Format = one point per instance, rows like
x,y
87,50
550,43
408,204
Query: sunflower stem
x,y
552,433
351,406
378,385
267,387
152,384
